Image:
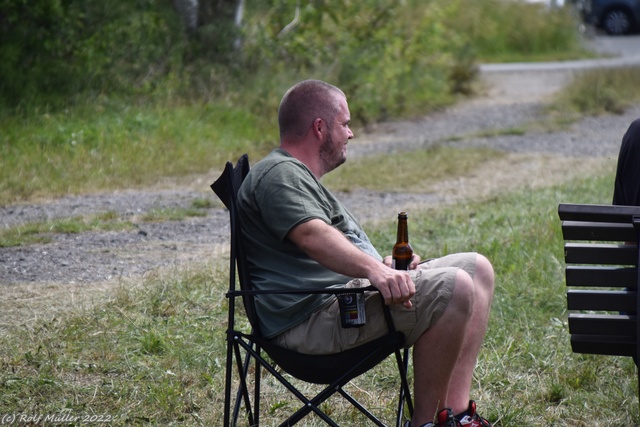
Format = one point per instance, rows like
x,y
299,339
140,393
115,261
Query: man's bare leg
x,y
460,385
437,351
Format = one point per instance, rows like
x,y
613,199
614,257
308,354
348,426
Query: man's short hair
x,y
305,102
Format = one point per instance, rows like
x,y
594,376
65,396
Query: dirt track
x,y
74,263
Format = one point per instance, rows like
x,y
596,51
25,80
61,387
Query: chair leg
x,y
361,408
405,392
243,390
257,379
227,384
331,389
309,405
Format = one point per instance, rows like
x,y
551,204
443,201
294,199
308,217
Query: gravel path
x,y
514,98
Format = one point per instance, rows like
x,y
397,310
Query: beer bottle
x,y
402,252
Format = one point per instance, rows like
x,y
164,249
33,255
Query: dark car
x,y
614,16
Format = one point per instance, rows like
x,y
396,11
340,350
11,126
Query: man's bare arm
x,y
332,249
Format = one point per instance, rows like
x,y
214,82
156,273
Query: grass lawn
x,y
152,351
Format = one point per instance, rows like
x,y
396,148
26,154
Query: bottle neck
x,y
403,230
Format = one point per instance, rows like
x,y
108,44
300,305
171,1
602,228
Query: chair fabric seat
x,y
328,368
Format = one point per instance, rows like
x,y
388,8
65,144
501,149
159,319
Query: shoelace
x,y
476,420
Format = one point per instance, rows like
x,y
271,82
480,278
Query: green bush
x,y
390,58
55,49
393,58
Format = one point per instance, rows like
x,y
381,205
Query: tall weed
x,y
600,91
94,148
502,30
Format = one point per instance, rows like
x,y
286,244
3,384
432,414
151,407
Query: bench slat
x,y
597,213
598,231
607,345
601,300
601,276
603,253
603,324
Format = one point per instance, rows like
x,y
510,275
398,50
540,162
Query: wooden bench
x,y
601,256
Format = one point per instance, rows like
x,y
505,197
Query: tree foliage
x,y
391,57
60,47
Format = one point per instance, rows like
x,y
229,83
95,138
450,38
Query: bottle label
x,y
352,312
400,264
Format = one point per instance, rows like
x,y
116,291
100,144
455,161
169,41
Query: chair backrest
x,y
226,188
601,256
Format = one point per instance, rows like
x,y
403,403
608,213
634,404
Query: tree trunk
x,y
188,11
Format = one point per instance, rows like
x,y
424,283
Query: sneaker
x,y
470,418
408,424
445,418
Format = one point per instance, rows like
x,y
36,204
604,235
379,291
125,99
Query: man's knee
x,y
484,274
463,296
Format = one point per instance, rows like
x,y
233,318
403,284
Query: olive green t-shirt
x,y
279,193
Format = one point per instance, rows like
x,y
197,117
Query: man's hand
x,y
395,286
388,261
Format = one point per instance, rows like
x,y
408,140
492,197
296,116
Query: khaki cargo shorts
x,y
323,333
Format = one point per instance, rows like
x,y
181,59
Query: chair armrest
x,y
327,291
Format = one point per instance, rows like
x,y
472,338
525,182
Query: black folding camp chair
x,y
333,370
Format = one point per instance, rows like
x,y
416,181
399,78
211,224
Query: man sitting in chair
x,y
298,235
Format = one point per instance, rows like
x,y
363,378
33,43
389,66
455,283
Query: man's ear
x,y
319,128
